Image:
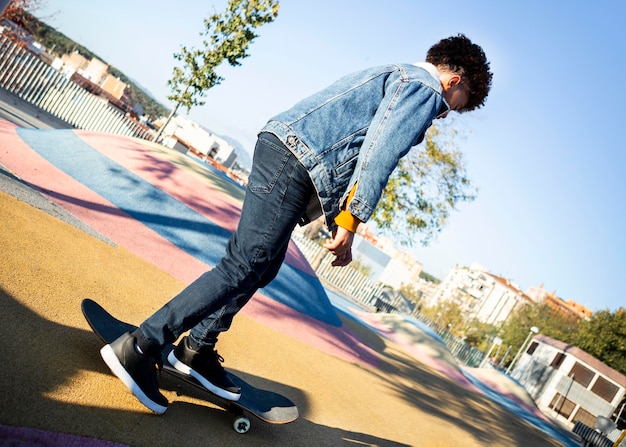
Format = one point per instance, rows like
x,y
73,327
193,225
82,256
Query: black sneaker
x,y
205,365
136,370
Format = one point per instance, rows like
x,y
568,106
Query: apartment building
x,y
189,137
388,264
479,294
564,307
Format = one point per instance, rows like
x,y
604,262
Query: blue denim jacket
x,y
356,131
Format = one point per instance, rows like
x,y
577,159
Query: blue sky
x,y
546,152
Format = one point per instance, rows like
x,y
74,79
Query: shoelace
x,y
219,357
217,365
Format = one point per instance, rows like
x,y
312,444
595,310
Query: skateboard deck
x,y
268,406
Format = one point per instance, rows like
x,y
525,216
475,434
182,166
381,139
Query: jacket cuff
x,y
346,220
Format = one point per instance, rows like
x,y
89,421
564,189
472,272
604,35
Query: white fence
x,y
358,287
347,279
33,80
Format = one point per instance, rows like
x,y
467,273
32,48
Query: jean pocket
x,y
269,161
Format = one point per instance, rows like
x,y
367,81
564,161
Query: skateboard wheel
x,y
241,424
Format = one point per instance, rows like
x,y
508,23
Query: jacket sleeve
x,y
345,219
403,116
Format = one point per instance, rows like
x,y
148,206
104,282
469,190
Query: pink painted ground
x,y
120,228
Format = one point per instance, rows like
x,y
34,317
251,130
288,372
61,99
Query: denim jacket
x,y
356,130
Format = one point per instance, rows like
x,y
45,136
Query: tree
x,y
227,36
20,13
425,187
428,277
604,337
549,321
480,335
446,315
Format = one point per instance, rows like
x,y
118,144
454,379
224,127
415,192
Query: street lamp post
x,y
496,342
533,330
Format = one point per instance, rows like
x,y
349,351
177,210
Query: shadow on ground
x,y
55,380
52,364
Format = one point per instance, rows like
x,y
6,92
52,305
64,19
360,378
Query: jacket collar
x,y
432,70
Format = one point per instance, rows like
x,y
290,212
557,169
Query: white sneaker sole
x,y
116,368
180,366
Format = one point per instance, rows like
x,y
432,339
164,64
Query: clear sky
x,y
546,152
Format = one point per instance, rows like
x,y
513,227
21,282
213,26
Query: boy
x,y
330,154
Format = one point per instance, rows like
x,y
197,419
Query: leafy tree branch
x,y
425,187
226,37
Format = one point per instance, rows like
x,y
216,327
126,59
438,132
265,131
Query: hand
x,y
340,244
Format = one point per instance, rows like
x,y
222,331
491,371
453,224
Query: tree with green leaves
x,y
604,337
430,278
549,321
425,187
226,37
446,315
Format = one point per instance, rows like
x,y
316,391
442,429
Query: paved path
x,y
143,222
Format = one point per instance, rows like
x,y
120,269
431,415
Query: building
x,y
479,294
191,138
113,86
95,71
567,308
388,265
402,269
425,290
73,62
567,383
93,75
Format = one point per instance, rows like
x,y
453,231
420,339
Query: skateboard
x,y
267,406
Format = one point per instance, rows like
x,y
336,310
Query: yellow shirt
x,y
345,219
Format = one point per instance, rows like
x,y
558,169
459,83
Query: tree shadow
x,y
50,368
439,394
164,168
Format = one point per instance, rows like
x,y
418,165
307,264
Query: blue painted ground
x,y
171,219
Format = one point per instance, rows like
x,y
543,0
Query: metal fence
x,y
33,80
358,287
347,279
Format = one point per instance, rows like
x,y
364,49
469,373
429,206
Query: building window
x,y
558,359
605,389
562,406
531,348
581,374
585,417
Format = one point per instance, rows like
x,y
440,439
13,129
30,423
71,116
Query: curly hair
x,y
460,55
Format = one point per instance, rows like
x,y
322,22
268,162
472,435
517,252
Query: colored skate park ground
x,y
129,223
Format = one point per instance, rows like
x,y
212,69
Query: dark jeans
x,y
279,189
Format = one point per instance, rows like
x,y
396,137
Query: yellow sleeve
x,y
345,219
